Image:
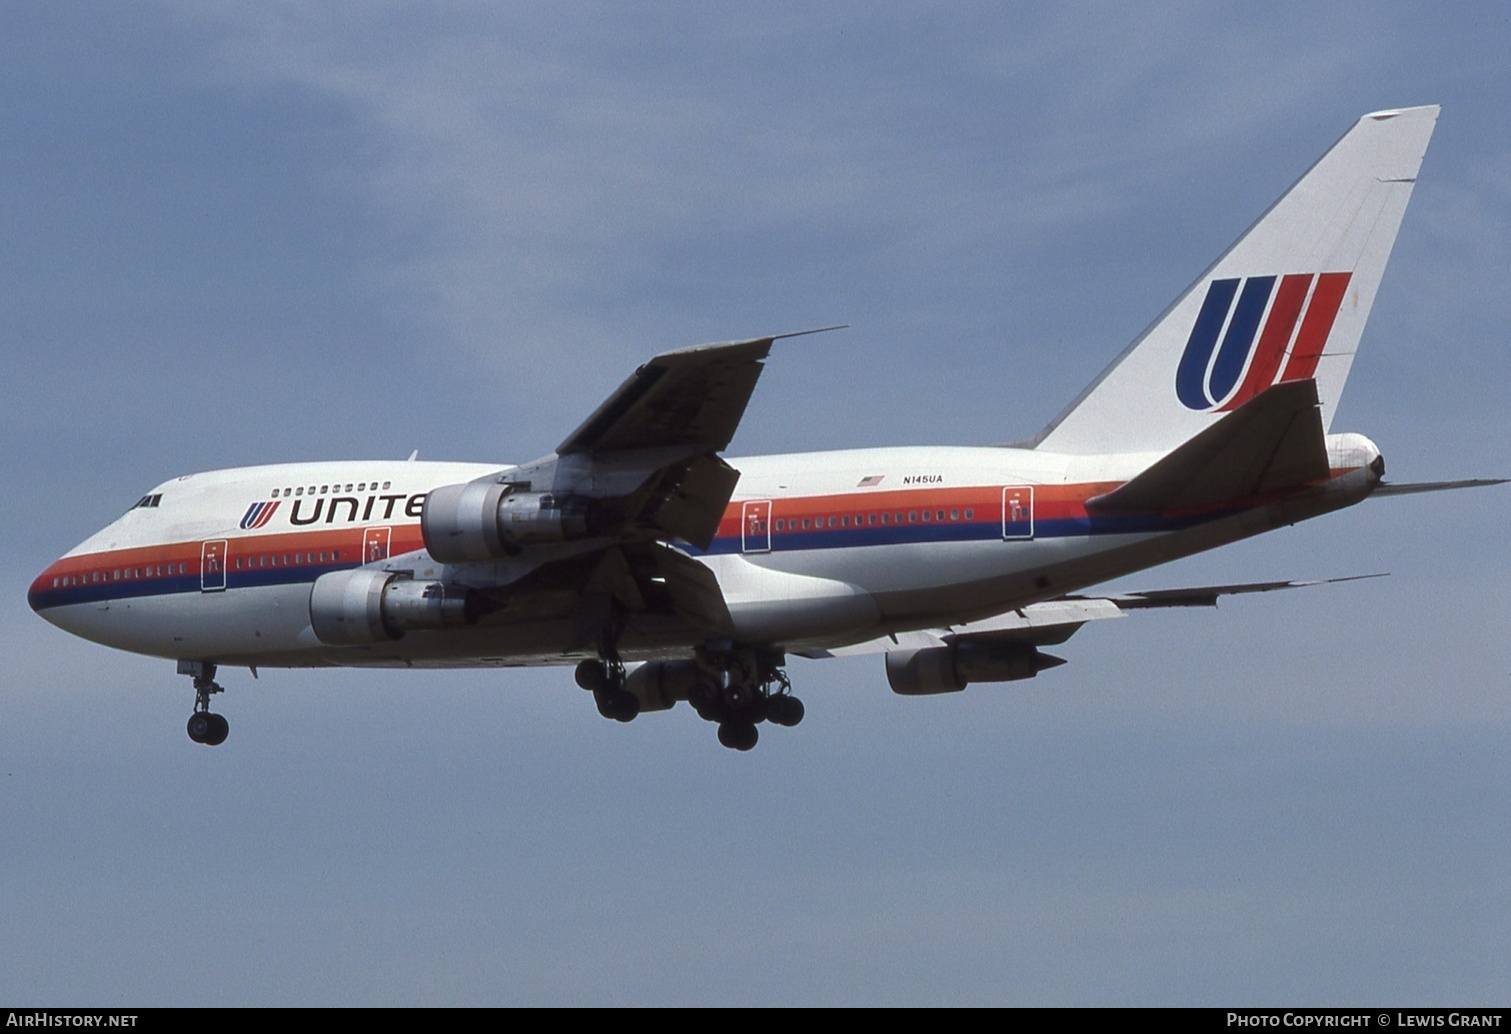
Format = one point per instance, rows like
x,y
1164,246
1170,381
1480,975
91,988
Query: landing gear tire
x,y
591,675
784,710
200,726
738,735
617,704
209,729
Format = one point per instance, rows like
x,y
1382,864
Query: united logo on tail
x,y
1310,300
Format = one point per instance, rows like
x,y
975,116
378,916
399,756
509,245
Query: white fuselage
x,y
814,550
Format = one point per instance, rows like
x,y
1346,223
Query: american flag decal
x,y
870,482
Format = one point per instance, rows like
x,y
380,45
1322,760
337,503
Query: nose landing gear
x,y
204,726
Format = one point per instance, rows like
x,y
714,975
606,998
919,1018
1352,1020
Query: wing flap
x,y
691,497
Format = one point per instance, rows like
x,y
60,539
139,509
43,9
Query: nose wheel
x,y
204,726
209,729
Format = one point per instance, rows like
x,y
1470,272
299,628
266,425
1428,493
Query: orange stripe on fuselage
x,y
404,538
1050,502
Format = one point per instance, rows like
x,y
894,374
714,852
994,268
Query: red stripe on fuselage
x,y
985,501
111,565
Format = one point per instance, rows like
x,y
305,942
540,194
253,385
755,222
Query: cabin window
x,y
386,484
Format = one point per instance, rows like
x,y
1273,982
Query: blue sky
x,y
266,233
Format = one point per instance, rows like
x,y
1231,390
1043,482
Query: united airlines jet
x,y
665,572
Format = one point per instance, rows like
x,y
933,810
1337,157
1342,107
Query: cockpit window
x,y
148,501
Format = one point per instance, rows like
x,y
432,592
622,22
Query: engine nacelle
x,y
484,520
364,606
660,684
949,669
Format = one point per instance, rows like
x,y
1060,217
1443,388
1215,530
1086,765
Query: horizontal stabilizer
x,y
1388,488
1272,443
1208,595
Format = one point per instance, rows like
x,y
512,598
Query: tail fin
x,y
1286,302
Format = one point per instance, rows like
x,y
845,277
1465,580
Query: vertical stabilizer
x,y
1286,302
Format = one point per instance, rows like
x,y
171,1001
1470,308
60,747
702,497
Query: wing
x,y
663,429
693,396
586,533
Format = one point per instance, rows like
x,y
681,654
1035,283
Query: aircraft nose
x,y
45,592
34,594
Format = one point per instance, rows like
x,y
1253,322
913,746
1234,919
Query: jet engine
x,y
363,606
949,669
487,520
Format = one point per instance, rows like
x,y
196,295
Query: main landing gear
x,y
741,688
204,726
736,688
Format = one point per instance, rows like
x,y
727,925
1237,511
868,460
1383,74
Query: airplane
x,y
666,572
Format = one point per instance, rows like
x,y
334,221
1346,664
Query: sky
x,y
251,233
